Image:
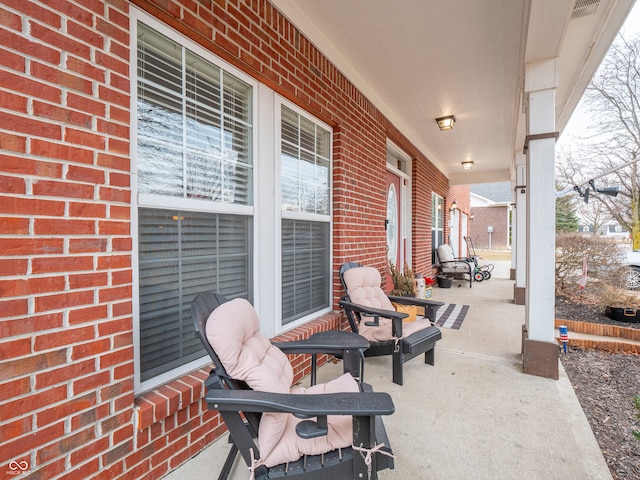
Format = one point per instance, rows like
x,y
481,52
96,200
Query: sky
x,y
580,118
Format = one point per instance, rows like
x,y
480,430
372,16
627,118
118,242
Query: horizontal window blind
x,y
437,224
305,164
180,255
305,268
194,125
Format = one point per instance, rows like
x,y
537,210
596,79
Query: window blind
x,y
180,255
305,268
305,167
305,164
194,125
437,224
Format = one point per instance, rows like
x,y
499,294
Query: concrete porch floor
x,y
474,415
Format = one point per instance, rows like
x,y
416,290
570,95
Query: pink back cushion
x,y
363,287
233,332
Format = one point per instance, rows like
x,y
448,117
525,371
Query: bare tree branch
x,y
613,140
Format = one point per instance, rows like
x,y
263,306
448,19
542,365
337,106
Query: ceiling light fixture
x,y
467,165
446,123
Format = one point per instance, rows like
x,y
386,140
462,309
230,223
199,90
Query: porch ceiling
x,y
417,60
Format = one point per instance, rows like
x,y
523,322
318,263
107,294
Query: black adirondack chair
x,y
371,314
248,411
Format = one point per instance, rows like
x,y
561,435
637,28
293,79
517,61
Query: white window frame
x,y
293,215
154,201
266,208
435,227
396,156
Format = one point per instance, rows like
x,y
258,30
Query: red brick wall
x,y
66,274
495,216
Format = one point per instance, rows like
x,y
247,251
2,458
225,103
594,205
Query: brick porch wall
x,y
495,216
67,406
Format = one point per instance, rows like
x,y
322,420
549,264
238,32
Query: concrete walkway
x,y
474,415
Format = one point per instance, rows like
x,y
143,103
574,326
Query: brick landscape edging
x,y
618,335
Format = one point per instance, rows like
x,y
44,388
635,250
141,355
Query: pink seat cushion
x,y
363,288
233,332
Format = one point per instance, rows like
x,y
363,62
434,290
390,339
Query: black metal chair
x,y
455,267
371,313
249,406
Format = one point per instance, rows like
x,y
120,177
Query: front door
x,y
394,224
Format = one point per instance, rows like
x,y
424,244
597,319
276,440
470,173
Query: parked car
x,y
632,277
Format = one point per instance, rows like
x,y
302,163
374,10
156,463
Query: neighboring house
x,y
613,230
491,210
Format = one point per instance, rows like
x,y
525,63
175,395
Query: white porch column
x,y
520,231
540,352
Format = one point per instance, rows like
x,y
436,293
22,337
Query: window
x,y
305,166
181,254
201,221
437,222
193,152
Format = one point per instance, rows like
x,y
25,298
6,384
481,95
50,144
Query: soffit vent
x,y
584,8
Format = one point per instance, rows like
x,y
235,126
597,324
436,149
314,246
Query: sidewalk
x,y
474,415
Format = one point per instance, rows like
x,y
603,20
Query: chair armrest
x,y
370,311
420,302
332,342
395,316
312,405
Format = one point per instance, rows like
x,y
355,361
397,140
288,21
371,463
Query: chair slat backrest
x,y
353,321
201,307
346,266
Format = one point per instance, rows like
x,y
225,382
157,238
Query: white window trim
x,y
138,201
406,206
434,219
277,106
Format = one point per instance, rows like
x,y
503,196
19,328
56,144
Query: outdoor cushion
x,y
445,255
233,332
363,287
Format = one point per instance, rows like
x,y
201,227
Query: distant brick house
x,y
151,150
491,208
